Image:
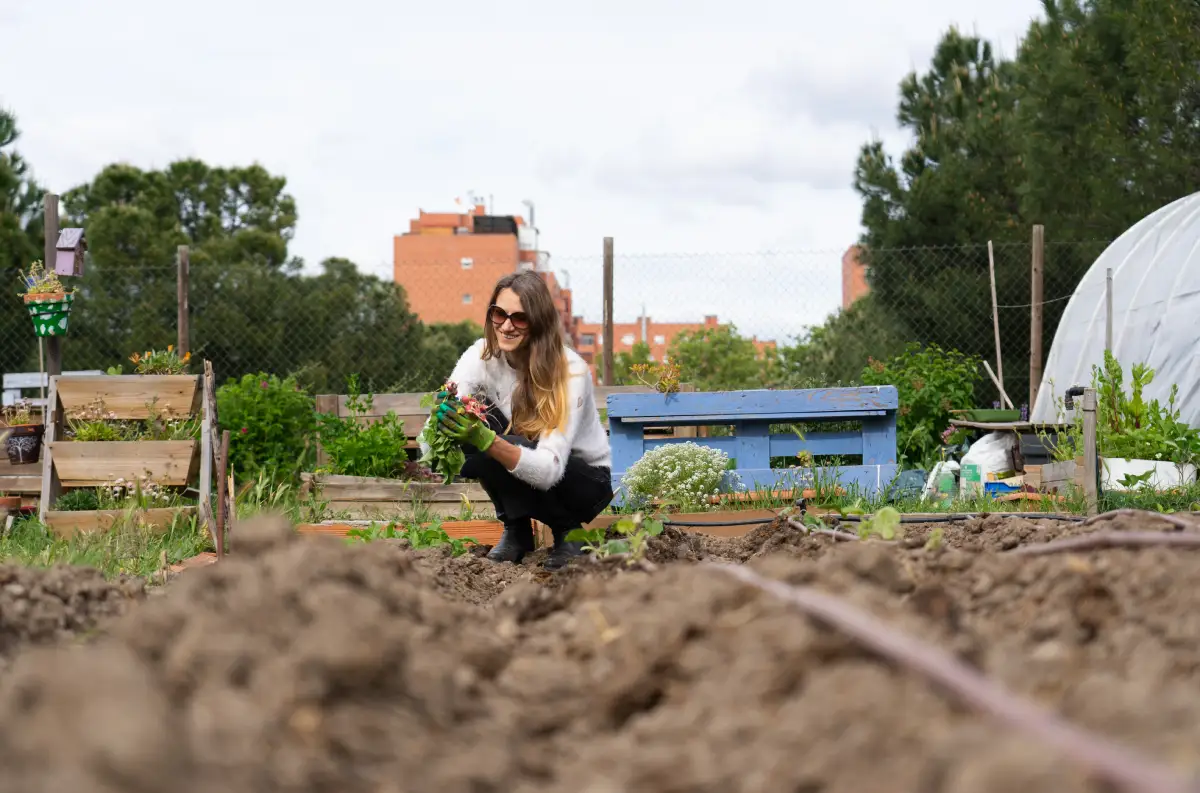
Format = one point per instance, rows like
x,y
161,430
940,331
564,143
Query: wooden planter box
x,y
67,524
94,463
364,497
760,516
487,532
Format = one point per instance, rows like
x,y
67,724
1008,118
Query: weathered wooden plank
x,y
92,463
816,443
67,524
131,396
758,404
30,380
51,483
879,440
363,488
387,510
20,485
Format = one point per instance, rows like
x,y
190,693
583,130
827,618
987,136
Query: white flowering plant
x,y
685,475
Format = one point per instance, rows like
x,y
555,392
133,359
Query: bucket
x,y
24,444
50,312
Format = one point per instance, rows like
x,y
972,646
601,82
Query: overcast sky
x,y
694,129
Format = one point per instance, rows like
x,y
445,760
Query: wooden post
x,y
1108,310
181,301
325,403
222,469
54,354
608,311
1090,460
1036,299
996,320
207,429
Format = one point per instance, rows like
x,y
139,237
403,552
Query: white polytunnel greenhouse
x,y
1156,313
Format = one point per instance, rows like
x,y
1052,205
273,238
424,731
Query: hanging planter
x,y
50,312
48,302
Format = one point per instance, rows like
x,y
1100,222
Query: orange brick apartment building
x,y
658,335
477,249
854,276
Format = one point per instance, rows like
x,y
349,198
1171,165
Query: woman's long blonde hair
x,y
539,403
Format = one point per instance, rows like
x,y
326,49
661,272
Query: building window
x,y
466,300
660,339
587,339
467,263
627,339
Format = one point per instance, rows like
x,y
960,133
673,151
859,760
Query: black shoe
x,y
515,542
562,552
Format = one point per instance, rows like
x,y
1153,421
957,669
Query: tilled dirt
x,y
42,606
305,664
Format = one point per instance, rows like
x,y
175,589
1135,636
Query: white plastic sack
x,y
991,454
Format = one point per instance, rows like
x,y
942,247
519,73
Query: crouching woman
x,y
542,453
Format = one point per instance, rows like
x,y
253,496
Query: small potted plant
x,y
24,441
48,301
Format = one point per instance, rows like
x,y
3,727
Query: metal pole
x,y
608,311
1108,311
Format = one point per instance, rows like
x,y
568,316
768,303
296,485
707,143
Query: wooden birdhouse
x,y
71,247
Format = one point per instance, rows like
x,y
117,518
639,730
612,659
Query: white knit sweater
x,y
541,467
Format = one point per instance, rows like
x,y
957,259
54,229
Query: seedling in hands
x,y
445,455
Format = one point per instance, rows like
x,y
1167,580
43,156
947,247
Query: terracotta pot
x,y
24,444
10,503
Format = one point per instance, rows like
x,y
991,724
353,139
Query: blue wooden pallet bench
x,y
752,445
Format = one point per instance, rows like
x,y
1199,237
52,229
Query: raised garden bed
x,y
364,497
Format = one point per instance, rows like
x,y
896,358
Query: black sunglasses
x,y
498,316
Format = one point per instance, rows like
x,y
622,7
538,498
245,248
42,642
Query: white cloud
x,y
693,128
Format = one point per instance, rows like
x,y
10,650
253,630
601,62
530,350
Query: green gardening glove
x,y
464,428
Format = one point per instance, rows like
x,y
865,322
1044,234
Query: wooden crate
x,y
94,463
126,397
67,524
364,497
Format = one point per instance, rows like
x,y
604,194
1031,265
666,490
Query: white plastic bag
x,y
991,454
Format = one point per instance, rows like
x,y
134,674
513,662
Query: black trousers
x,y
583,492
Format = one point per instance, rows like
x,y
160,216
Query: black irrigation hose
x,y
695,523
950,516
957,516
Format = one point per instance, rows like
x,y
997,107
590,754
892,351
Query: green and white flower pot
x,y
50,312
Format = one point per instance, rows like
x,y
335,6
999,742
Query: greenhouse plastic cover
x,y
1156,313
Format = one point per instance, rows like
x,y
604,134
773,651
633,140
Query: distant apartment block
x,y
854,276
657,335
448,263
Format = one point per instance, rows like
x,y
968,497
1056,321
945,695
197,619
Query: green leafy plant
x,y
445,455
633,534
270,422
930,383
81,500
685,474
358,448
1127,426
418,536
885,524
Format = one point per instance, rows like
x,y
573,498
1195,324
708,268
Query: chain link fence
x,y
325,325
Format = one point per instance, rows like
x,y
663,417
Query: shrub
x,y
930,382
270,422
683,474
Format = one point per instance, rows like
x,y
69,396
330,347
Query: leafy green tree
x,y
717,359
836,352
20,244
623,363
